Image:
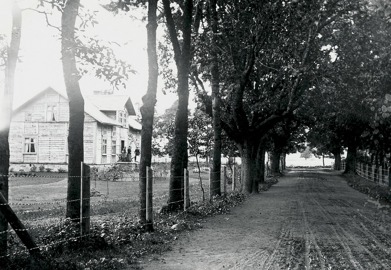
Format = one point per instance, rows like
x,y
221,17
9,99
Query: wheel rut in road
x,y
311,219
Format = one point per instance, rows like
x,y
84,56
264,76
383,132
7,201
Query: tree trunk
x,y
275,162
337,161
260,163
250,171
147,110
283,161
182,55
179,151
6,114
351,158
76,108
216,175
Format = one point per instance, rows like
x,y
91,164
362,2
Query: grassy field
x,y
38,179
42,199
116,236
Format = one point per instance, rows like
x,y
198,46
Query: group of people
x,y
126,154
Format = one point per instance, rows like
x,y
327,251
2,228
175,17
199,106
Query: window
x,y
113,147
51,113
29,145
113,132
122,117
104,146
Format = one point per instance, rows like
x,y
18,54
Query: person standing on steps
x,y
129,154
136,153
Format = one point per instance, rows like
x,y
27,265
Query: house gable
x,y
48,105
51,105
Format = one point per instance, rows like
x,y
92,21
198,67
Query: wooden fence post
x,y
210,185
233,178
81,199
186,196
363,169
149,202
85,200
225,181
389,177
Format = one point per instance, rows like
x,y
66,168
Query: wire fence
x,y
372,172
40,202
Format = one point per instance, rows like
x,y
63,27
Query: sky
x,y
40,64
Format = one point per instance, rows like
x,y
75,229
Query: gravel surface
x,y
311,219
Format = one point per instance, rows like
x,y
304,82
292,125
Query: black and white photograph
x,y
195,134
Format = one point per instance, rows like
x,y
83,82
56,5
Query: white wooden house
x,y
39,129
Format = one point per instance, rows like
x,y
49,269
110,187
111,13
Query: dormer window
x,y
122,117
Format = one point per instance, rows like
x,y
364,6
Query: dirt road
x,y
309,220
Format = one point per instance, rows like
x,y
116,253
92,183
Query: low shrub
x,y
61,170
112,173
33,168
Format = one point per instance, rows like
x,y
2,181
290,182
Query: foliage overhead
x,y
351,98
94,55
266,75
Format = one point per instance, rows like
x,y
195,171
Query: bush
x,y
113,173
33,168
61,170
41,168
48,169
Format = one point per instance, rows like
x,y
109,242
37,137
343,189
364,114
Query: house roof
x,y
112,103
89,107
134,124
95,113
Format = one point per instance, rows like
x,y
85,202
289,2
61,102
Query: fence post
x,y
367,175
225,180
85,198
210,185
373,173
186,198
233,178
389,177
149,202
380,173
107,186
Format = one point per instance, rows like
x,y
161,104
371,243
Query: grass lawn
x,y
40,203
42,199
40,178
